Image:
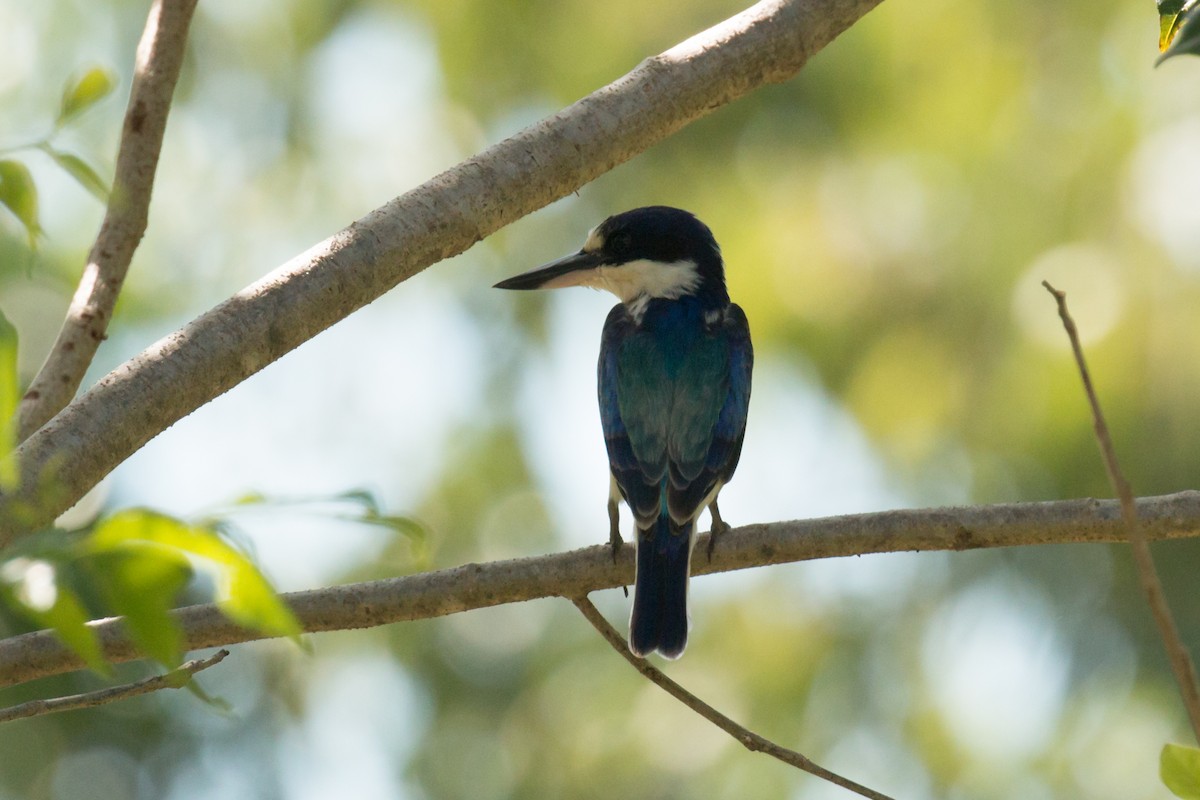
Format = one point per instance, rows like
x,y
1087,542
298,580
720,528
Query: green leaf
x,y
69,621
361,497
33,588
1168,21
1179,768
249,600
243,595
10,398
1180,35
84,92
216,703
19,194
251,499
81,171
142,581
405,526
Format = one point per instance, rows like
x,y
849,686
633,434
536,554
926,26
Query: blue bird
x,y
674,389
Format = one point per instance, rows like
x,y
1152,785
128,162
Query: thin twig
x,y
578,572
1181,660
159,60
748,738
175,679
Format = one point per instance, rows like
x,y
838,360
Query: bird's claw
x,y
719,528
614,535
614,530
615,543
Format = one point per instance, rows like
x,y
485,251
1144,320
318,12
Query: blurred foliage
x,y
134,563
84,92
887,218
1180,770
18,191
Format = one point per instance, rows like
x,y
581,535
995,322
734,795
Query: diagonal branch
x,y
175,679
578,572
768,42
748,738
1181,660
159,60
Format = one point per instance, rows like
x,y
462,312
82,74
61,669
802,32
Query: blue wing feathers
x,y
674,394
674,391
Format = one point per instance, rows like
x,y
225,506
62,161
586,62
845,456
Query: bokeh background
x,y
886,217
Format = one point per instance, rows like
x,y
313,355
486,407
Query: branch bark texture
x,y
768,42
156,71
576,573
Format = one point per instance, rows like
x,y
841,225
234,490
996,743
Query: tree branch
x,y
578,572
748,738
159,60
1181,660
175,679
768,42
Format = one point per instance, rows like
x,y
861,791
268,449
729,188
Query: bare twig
x,y
578,572
1181,660
768,42
159,60
749,739
175,679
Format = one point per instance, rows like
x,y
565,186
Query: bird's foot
x,y
719,528
615,543
614,530
614,535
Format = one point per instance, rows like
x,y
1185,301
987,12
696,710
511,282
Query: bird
x,y
673,383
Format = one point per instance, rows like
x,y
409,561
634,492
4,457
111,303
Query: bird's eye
x,y
620,241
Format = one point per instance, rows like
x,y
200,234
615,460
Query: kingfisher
x,y
674,391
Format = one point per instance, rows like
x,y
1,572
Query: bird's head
x,y
651,252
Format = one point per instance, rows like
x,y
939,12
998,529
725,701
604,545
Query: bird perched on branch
x,y
674,389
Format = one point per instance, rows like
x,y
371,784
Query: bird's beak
x,y
573,270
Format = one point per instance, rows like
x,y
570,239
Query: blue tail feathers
x,y
660,617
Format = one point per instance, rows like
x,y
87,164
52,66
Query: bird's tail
x,y
660,617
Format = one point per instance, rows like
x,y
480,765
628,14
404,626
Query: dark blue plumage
x,y
674,390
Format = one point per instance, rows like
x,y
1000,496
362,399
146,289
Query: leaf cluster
x,y
18,192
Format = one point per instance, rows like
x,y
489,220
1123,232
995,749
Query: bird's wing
x,y
731,424
633,390
688,426
708,419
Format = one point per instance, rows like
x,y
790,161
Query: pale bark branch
x,y
174,679
748,738
578,572
159,60
1177,653
768,42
